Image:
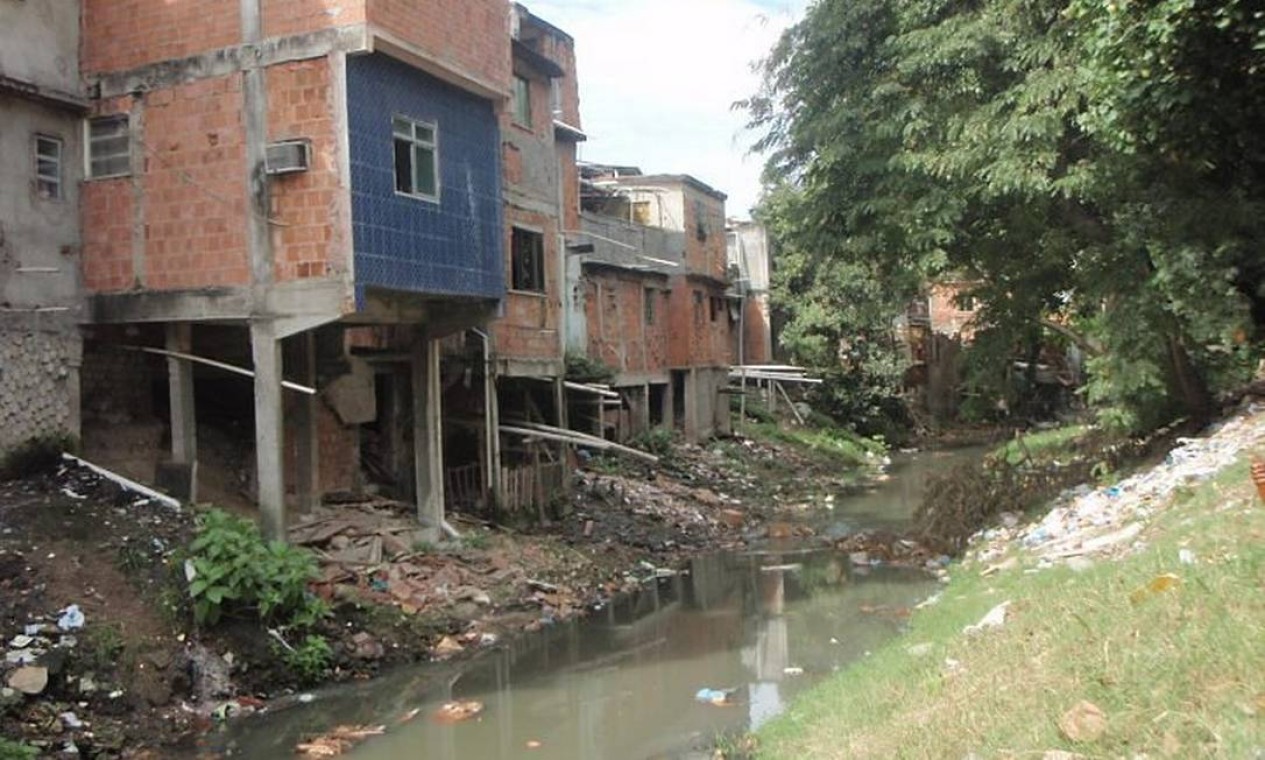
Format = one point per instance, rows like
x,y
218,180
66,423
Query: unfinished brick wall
x,y
696,339
471,35
947,317
194,194
615,311
125,34
286,17
310,231
530,326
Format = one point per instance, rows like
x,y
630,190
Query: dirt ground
x,y
138,679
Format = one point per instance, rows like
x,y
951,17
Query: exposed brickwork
x,y
38,385
530,327
698,339
619,334
756,349
947,317
706,248
286,17
309,237
194,190
107,235
470,35
124,34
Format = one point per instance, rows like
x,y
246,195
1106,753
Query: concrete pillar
x,y
428,454
184,436
269,431
643,409
492,435
691,405
397,431
307,471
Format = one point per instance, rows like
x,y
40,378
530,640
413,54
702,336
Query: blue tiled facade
x,y
453,247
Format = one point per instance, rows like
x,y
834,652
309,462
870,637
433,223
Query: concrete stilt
x,y
184,436
428,455
307,471
691,405
184,417
492,434
269,433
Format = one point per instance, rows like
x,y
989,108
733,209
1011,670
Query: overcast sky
x,y
657,78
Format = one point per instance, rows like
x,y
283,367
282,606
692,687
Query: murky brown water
x,y
623,683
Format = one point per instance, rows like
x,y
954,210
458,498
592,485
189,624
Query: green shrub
x,y
16,750
309,660
657,441
231,568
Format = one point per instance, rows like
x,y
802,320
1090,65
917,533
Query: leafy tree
x,y
1051,150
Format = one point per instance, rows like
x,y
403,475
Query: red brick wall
x,y
473,35
107,212
285,17
696,340
194,186
617,329
123,34
946,316
529,328
309,239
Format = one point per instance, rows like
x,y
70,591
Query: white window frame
x,y
416,143
522,101
55,180
91,143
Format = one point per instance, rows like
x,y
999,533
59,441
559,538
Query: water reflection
x,y
622,684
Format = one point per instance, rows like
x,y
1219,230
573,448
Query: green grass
x,y
1043,444
1179,674
848,446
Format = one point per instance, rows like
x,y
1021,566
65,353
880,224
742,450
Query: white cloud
x,y
658,77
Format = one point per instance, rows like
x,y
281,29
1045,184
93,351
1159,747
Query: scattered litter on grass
x,y
1157,585
1084,723
995,618
71,618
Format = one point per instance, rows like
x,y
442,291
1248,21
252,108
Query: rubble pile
x,y
1088,521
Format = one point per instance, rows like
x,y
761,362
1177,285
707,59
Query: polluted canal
x,y
713,651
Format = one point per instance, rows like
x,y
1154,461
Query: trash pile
x,y
1087,521
372,552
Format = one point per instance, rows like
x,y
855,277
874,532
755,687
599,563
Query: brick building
x,y
309,189
697,302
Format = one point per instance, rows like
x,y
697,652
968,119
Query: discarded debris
x,y
29,679
338,741
455,712
1158,585
719,697
71,618
1085,722
995,618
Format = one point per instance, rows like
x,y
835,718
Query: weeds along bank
x,y
1122,623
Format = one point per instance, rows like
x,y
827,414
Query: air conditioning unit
x,y
288,157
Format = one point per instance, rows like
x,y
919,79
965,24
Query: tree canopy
x,y
1093,164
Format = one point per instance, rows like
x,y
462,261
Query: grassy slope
x,y
1181,674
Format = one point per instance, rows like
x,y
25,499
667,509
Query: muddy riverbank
x,y
138,679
